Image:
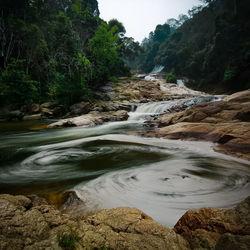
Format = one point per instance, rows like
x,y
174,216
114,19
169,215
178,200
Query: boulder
x,y
29,222
213,228
91,119
48,105
32,117
80,108
224,122
35,108
13,115
47,112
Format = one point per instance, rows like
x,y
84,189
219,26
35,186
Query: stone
x,y
224,122
80,108
35,108
13,115
31,223
91,119
213,228
47,112
48,105
32,117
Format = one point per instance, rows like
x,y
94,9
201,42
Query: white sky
x,y
142,16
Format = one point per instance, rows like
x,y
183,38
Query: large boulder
x,y
225,122
212,228
29,222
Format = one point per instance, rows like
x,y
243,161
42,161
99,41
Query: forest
x,y
210,46
58,50
62,51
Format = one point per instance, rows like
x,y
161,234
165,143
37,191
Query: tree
x,y
120,29
16,85
103,52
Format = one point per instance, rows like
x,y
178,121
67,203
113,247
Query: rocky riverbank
x,y
225,122
29,222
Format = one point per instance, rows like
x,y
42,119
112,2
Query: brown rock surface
x,y
225,122
212,228
91,119
30,223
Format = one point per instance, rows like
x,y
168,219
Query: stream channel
x,y
108,168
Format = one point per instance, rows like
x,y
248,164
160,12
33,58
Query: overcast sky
x,y
141,16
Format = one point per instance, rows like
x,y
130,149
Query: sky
x,y
142,16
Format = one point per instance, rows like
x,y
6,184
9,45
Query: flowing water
x,y
107,168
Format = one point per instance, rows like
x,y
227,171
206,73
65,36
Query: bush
x,y
171,78
68,241
113,79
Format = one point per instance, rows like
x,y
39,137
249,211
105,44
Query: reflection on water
x,y
107,169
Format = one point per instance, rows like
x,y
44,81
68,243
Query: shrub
x,y
171,78
68,241
113,79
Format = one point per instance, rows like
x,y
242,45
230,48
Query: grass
x,y
68,241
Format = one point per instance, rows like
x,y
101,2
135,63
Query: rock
x,y
31,223
213,228
91,119
32,117
48,105
59,111
239,97
35,108
80,108
47,112
130,228
225,122
13,115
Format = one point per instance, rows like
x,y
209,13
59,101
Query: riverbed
x,y
108,167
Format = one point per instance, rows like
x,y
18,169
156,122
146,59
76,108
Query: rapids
x,y
108,168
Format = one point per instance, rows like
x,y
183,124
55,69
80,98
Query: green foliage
x,y
211,47
16,85
103,50
68,241
171,78
113,79
62,51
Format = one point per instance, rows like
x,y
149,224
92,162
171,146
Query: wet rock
x,y
91,119
225,122
212,228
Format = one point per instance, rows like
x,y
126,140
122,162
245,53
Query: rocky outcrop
x,y
91,119
225,122
31,223
136,90
212,228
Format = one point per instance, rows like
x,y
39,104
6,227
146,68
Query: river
x,y
108,167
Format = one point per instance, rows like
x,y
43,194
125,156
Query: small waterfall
x,y
157,69
144,111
